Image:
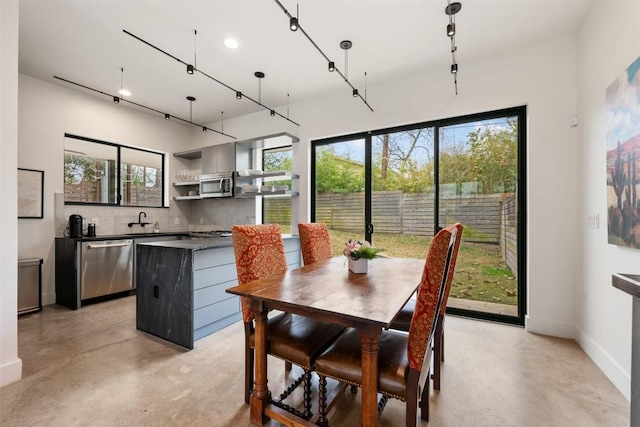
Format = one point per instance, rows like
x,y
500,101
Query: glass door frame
x,y
521,113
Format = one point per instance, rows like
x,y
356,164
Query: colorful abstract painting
x,y
623,158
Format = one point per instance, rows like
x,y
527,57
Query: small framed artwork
x,y
30,193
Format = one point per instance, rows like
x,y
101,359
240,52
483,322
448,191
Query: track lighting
x,y
166,115
273,113
238,94
204,129
293,24
194,68
345,44
451,29
454,68
355,93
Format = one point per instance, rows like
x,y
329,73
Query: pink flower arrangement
x,y
355,249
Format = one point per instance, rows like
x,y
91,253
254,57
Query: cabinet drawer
x,y
213,312
213,257
212,294
214,275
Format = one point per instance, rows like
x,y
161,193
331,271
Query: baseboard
x,y
11,372
612,369
554,329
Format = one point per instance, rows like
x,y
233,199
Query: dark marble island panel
x,y
181,287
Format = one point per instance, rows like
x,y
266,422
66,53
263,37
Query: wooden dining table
x,y
328,291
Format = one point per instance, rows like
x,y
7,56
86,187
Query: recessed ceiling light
x,y
124,92
231,43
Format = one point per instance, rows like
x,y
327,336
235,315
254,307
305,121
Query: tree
x,y
338,173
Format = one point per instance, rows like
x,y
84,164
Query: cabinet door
x,y
226,157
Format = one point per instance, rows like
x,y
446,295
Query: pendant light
x,y
451,10
123,91
192,68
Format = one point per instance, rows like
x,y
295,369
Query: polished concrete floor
x,y
91,367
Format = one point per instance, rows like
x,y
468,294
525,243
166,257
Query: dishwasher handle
x,y
109,245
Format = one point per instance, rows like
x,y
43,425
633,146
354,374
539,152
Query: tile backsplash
x,y
196,215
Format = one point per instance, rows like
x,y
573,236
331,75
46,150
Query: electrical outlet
x,y
94,221
177,221
593,220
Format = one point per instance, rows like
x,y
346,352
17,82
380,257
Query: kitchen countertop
x,y
125,236
199,244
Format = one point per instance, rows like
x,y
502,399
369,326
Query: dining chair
x,y
403,360
403,320
315,242
259,253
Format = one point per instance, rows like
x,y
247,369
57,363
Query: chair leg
x,y
307,394
248,373
411,403
287,366
424,400
322,401
442,338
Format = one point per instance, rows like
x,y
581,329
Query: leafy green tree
x,y
494,156
338,173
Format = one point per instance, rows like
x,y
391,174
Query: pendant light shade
x,y
293,24
332,66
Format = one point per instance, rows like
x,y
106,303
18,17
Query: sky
x,y
623,106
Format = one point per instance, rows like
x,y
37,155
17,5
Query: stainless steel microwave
x,y
216,185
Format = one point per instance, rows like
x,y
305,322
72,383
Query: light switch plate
x,y
593,220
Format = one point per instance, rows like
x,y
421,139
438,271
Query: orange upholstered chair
x,y
403,320
402,358
259,253
315,243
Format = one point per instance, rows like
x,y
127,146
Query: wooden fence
x,y
509,233
394,212
88,192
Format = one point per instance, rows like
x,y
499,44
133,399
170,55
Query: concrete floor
x,y
91,367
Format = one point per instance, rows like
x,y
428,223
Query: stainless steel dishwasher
x,y
107,268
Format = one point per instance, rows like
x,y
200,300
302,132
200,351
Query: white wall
x,y
46,111
609,41
10,364
542,77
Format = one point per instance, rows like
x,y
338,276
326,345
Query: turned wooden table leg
x,y
369,343
260,397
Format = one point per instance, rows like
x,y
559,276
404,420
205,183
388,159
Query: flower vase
x,y
359,266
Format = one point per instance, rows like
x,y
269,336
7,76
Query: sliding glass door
x,y
398,187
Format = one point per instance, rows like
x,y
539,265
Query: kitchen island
x,y
181,287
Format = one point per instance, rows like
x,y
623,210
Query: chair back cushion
x,y
452,266
315,243
430,292
259,253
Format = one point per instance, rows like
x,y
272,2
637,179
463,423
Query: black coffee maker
x,y
75,225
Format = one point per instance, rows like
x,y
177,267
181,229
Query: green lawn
x,y
480,275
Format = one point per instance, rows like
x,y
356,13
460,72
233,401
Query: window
x,y
277,210
99,172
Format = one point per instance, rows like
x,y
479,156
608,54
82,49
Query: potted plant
x,y
359,254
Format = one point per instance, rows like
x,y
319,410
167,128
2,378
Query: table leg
x,y
369,338
260,397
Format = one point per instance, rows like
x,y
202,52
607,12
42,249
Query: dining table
x,y
328,291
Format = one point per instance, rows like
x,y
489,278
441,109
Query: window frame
x,y
118,169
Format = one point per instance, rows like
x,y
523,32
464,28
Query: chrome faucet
x,y
142,224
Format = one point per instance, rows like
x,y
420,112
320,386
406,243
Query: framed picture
x,y
30,191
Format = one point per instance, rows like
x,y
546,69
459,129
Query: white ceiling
x,y
83,41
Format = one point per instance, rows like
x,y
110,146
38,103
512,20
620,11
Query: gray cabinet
x,y
219,158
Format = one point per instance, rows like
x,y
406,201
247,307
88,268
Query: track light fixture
x,y
293,24
344,76
238,94
116,100
189,69
194,68
273,113
355,93
204,129
451,10
166,115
